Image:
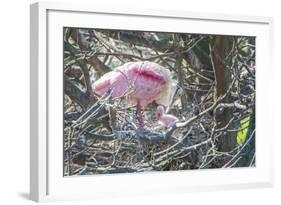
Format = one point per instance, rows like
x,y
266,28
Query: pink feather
x,y
139,82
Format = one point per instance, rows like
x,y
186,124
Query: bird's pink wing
x,y
120,85
148,83
114,82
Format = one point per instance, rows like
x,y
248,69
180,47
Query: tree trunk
x,y
178,64
219,49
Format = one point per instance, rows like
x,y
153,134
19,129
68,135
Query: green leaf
x,y
243,130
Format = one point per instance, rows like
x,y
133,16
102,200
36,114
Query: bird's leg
x,y
139,115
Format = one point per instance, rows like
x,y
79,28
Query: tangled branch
x,y
216,112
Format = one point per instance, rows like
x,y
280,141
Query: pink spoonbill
x,y
139,83
164,118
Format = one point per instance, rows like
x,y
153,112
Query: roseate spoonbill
x,y
139,83
165,119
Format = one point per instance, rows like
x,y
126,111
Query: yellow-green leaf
x,y
243,130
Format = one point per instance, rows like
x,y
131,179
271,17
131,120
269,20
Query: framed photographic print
x,y
127,102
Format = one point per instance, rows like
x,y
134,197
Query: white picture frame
x,y
46,179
